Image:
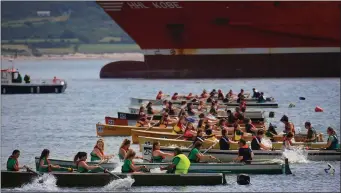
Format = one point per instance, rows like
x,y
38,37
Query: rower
x,y
159,95
249,127
245,154
225,141
230,117
13,163
199,137
190,110
180,127
204,94
222,124
175,96
230,94
98,152
157,155
333,141
261,98
44,162
128,164
180,163
201,106
142,122
289,127
82,167
240,95
311,133
195,156
220,95
242,104
150,110
142,113
164,121
255,93
287,143
238,114
256,143
271,132
210,136
213,92
189,131
189,96
210,99
213,111
124,148
237,132
164,105
171,110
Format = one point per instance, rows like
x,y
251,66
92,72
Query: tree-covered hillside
x,y
69,25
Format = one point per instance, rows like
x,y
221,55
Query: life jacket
x,y
164,123
15,167
183,165
188,134
174,97
242,105
246,153
236,136
159,96
224,143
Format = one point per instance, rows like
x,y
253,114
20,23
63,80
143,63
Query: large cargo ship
x,y
231,39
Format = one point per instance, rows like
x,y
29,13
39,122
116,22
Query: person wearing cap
x,y
288,126
256,143
245,154
311,133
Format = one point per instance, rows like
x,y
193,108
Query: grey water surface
x,y
65,123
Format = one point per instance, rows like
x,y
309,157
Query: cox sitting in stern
x,y
180,163
128,164
44,162
82,166
13,163
245,154
157,155
97,153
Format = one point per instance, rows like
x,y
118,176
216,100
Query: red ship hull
x,y
229,39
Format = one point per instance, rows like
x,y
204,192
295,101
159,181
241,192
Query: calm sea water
x,y
65,123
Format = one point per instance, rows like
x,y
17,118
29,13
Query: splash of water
x,y
157,170
46,183
120,184
296,155
267,142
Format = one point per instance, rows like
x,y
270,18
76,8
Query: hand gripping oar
x,y
151,126
112,174
211,148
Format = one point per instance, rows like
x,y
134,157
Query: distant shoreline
x,y
113,56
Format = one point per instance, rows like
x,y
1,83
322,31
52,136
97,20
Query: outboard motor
x,y
243,179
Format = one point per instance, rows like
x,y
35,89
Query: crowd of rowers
x,y
219,95
180,162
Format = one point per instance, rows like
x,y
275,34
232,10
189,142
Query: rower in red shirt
x,y
159,95
175,96
242,104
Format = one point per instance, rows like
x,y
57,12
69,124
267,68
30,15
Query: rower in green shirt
x,y
128,164
195,156
82,166
13,163
157,155
311,134
44,163
180,163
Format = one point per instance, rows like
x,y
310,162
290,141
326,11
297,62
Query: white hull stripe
x,y
223,51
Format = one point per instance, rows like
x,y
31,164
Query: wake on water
x,y
48,184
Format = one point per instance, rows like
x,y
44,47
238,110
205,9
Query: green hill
x,y
69,25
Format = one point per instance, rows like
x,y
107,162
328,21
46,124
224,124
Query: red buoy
x,y
318,109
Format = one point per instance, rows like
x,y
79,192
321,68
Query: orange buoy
x,y
318,109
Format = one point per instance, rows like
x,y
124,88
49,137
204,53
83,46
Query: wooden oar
x,y
112,174
211,148
151,126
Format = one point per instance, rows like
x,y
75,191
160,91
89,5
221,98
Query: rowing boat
x,y
207,144
125,130
255,116
70,164
135,133
11,179
229,155
120,130
139,101
231,168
